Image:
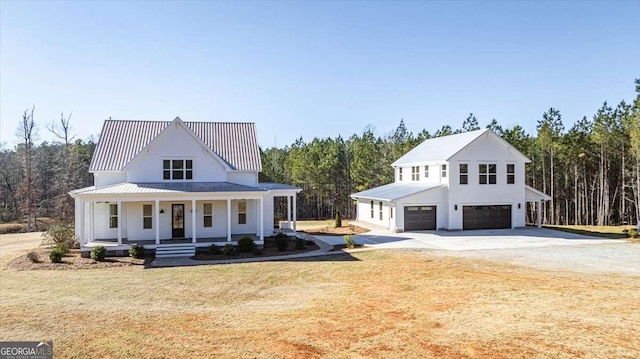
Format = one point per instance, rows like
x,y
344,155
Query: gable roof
x,y
120,141
395,190
445,147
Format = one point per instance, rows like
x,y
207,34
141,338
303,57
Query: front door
x,y
177,220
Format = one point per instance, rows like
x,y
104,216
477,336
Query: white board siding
x,y
486,151
244,178
435,197
101,221
175,143
101,179
364,213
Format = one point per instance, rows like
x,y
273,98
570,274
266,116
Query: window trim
x,y
145,217
464,176
206,215
113,217
242,215
170,169
415,173
487,176
511,176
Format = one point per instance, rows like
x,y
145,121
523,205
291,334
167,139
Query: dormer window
x,y
444,171
177,169
399,177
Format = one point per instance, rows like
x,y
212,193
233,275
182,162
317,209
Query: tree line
x,y
591,170
35,178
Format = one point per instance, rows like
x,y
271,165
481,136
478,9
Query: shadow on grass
x,y
585,232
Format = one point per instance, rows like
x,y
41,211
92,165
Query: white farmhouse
x,y
160,183
472,180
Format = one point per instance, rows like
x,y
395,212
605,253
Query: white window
x,y
399,176
464,173
242,212
380,210
415,173
426,171
113,216
511,173
207,213
147,216
444,171
487,173
177,169
371,209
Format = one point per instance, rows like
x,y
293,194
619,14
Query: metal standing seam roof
x,y
120,141
168,187
439,148
394,191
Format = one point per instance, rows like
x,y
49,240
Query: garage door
x,y
418,218
486,217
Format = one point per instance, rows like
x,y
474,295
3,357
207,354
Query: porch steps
x,y
176,250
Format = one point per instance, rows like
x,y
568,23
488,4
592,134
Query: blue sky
x,y
314,68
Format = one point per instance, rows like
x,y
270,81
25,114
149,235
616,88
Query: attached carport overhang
x,y
533,195
394,191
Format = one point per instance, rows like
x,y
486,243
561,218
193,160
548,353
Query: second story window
x,y
511,173
399,175
487,173
426,171
444,171
464,173
177,169
415,173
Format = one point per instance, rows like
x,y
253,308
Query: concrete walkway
x,y
325,250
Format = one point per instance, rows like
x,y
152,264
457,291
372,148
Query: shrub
x,y
229,249
257,251
299,243
282,242
246,244
56,256
136,251
98,253
349,241
60,233
338,220
214,249
62,247
633,233
33,257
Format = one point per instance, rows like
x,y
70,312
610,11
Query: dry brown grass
x,y
327,227
17,227
378,304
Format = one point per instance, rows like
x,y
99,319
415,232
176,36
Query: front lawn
x,y
383,304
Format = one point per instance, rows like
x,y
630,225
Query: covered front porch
x,y
157,214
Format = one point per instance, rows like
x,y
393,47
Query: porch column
x,y
119,212
193,220
539,205
92,220
289,211
294,214
157,221
261,219
228,220
79,217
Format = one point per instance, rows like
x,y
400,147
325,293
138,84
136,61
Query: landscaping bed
x,y
71,260
270,249
336,231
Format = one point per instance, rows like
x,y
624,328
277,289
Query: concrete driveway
x,y
541,248
472,240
